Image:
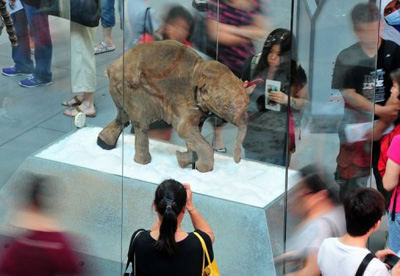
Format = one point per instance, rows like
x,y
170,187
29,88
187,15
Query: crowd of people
x,y
331,239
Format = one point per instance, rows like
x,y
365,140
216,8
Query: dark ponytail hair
x,y
170,199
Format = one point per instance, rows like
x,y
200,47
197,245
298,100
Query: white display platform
x,y
248,182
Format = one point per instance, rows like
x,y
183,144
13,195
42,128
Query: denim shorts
x,y
394,232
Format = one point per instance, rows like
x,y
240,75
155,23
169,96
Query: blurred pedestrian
x,y
43,250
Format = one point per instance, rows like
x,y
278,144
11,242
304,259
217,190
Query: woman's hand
x,y
249,89
279,97
189,201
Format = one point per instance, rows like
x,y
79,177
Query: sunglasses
x,y
389,10
274,39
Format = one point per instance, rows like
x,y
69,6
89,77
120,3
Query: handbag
x,y
147,33
130,252
211,269
84,12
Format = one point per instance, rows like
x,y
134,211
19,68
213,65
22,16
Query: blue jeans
x,y
107,13
21,54
40,33
394,232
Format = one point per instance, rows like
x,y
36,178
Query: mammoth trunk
x,y
241,123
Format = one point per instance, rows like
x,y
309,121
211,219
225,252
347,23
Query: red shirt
x,y
39,254
148,38
393,154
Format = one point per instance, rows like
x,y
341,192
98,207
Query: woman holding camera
x,y
267,125
168,250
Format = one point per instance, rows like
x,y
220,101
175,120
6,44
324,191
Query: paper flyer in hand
x,y
14,6
357,132
271,85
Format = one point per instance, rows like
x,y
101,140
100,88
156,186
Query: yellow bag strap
x,y
203,244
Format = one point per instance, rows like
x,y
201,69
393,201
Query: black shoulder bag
x,y
131,255
365,262
84,12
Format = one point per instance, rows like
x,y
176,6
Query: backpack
x,y
385,144
383,158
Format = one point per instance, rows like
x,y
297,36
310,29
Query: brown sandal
x,y
77,109
75,98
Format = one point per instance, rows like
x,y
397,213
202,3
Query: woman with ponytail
x,y
167,250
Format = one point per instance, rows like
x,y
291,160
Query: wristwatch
x,y
292,103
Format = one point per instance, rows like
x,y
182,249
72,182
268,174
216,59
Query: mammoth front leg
x,y
196,142
108,137
142,154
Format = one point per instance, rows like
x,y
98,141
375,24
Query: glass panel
x,y
339,56
320,74
242,195
40,135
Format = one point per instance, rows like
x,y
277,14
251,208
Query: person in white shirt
x,y
343,256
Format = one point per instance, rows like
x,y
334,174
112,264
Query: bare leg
x,y
86,107
107,36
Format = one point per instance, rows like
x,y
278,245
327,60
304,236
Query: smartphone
x,y
391,260
255,81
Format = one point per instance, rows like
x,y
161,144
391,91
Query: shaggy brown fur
x,y
5,16
169,81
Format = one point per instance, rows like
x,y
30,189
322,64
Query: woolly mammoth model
x,y
169,81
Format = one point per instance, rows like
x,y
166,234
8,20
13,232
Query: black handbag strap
x,y
147,19
131,253
393,217
365,262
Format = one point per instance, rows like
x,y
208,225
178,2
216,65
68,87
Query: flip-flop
x,y
75,98
102,47
77,109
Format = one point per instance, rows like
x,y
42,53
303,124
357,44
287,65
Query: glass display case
x,y
110,154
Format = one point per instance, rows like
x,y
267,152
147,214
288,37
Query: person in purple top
x,y
240,22
234,24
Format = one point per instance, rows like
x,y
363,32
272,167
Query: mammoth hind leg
x,y
186,158
108,137
196,142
